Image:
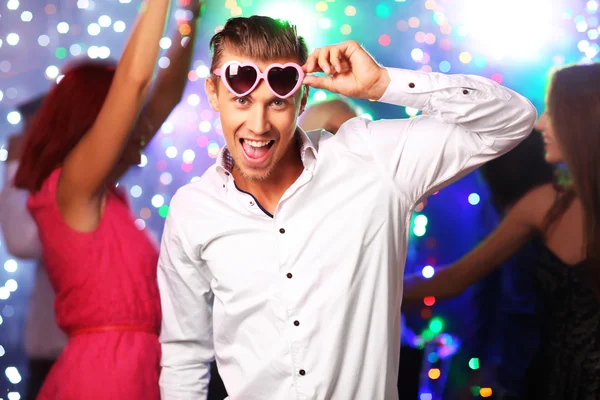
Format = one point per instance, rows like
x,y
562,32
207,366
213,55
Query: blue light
x,y
428,271
425,396
474,199
444,66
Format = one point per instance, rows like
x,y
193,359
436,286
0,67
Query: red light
x,y
429,301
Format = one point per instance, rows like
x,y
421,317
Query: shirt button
x,y
302,372
296,323
282,230
465,91
226,173
251,203
289,275
411,85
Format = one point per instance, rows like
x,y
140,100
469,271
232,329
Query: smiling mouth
x,y
256,151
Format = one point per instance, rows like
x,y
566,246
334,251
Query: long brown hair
x,y
68,111
574,111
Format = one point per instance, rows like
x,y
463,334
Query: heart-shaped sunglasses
x,y
242,78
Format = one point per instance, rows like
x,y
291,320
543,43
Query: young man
x,y
285,260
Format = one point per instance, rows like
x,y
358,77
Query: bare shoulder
x,y
534,206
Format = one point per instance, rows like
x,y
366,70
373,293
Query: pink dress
x,y
106,300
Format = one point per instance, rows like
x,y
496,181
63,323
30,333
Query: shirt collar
x,y
308,155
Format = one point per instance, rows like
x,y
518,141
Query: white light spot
x,y
75,49
167,127
52,72
165,43
202,71
12,39
13,396
5,66
166,178
11,285
83,4
13,118
26,16
171,152
3,155
140,224
2,352
12,4
119,26
43,40
205,126
93,52
104,52
10,265
143,161
4,293
62,27
93,29
136,191
104,21
164,62
158,200
188,156
193,100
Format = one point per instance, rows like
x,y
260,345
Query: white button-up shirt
x,y
305,304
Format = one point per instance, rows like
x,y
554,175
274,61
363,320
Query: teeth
x,y
257,144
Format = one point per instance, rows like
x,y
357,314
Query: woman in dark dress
x,y
564,219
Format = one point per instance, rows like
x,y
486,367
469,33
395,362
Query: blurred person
x,y
44,341
90,129
329,115
290,271
563,219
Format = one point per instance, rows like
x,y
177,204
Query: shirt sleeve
x,y
18,226
186,298
470,120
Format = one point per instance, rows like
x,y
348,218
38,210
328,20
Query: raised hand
x,y
351,71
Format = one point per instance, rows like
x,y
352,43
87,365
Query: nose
x,y
540,124
258,122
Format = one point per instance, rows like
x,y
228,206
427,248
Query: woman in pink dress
x,y
89,130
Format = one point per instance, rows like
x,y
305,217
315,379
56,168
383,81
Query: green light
x,y
436,325
427,335
475,390
61,53
383,10
474,364
163,211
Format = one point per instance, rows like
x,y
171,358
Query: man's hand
x,y
15,147
351,71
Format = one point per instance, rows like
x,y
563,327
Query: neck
x,y
269,191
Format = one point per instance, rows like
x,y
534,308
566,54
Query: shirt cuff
x,y
407,88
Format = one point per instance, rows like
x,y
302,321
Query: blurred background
x,y
514,42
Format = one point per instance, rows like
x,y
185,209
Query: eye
x,y
242,101
279,102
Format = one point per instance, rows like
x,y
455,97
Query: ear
x,y
210,86
304,98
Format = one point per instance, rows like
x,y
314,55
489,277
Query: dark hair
x,y
512,175
30,107
67,113
574,112
260,38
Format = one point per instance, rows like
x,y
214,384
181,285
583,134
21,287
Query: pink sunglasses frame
x,y
261,75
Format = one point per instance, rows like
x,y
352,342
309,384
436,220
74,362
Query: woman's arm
x,y
170,83
519,226
86,169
